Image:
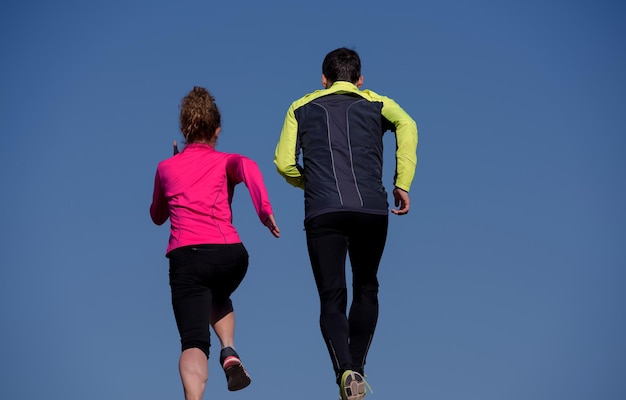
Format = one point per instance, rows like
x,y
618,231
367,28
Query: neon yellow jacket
x,y
339,131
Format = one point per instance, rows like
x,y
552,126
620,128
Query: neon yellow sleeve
x,y
286,154
406,142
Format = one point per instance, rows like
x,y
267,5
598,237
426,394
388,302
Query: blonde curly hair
x,y
199,116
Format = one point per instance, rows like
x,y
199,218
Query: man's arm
x,y
406,143
286,154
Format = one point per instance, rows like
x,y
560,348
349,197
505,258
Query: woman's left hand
x,y
270,222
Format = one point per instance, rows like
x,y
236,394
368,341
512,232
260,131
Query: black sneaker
x,y
236,375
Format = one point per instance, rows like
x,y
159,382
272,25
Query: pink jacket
x,y
195,190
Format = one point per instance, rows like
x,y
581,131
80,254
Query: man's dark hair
x,y
342,65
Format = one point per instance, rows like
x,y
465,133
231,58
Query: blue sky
x,y
505,281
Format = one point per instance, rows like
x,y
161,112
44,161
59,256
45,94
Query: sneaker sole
x,y
237,377
354,387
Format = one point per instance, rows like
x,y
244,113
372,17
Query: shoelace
x,y
367,384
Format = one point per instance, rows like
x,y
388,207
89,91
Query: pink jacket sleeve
x,y
243,169
158,209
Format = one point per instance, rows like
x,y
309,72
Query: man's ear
x,y
325,81
359,83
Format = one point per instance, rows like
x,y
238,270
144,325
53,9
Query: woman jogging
x,y
207,260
